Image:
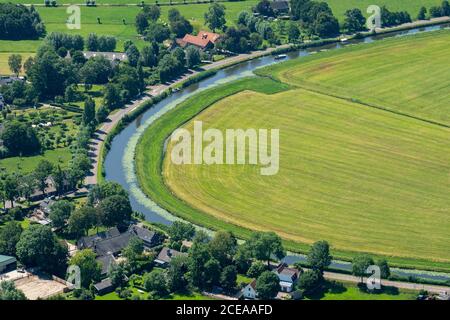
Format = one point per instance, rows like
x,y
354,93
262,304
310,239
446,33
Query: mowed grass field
x,y
364,178
410,75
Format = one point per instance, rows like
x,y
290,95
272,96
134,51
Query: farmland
x,y
385,173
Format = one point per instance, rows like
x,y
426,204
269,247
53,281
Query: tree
x,y
267,285
215,17
133,55
104,190
242,258
326,25
43,170
192,57
157,32
212,272
28,64
90,268
385,271
9,236
319,256
60,212
8,291
179,231
445,7
149,56
360,264
20,22
39,247
310,280
82,219
102,114
156,283
264,8
20,139
115,211
141,22
133,253
222,247
11,188
92,42
15,63
293,33
112,98
117,275
89,111
198,257
228,278
153,12
96,70
354,21
176,273
256,269
265,244
422,14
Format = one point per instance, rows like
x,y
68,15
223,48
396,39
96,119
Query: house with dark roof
x,y
204,40
280,7
103,287
288,277
107,245
7,264
111,56
166,255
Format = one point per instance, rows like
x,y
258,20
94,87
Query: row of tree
x,y
18,22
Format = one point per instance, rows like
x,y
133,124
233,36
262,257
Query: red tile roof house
x,y
204,40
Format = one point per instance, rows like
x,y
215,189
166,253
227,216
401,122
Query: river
x,y
119,164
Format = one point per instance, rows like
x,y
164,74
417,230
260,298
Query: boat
x,y
280,56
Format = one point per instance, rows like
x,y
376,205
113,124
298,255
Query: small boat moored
x,y
280,56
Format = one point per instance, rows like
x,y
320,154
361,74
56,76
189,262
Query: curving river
x,y
119,162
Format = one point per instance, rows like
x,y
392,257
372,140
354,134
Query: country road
x,y
388,283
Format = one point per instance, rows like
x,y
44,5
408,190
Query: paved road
x,y
396,284
100,135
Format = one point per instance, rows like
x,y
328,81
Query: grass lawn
x,y
59,156
383,171
4,68
350,291
406,74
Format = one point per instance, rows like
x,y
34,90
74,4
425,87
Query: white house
x,y
249,291
288,277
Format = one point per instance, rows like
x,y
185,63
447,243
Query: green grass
x,y
383,172
406,75
350,291
59,156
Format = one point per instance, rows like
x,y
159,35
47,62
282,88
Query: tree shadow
x,y
326,287
384,290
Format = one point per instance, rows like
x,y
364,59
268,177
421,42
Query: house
x,y
7,264
166,255
41,213
107,245
288,277
111,56
6,80
103,287
204,40
249,291
280,7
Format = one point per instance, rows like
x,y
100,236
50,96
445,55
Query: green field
x,y
59,156
365,179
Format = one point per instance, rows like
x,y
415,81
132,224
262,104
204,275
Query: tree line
x,y
18,22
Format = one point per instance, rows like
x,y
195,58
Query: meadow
x,y
408,75
367,179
